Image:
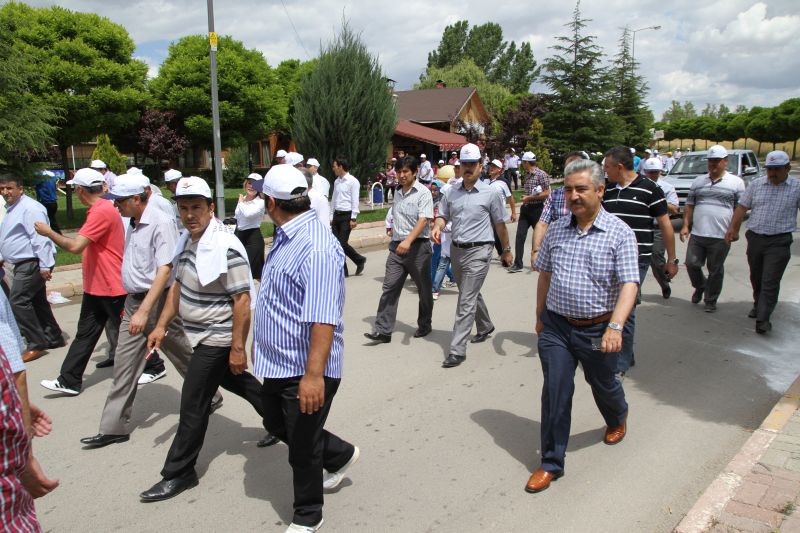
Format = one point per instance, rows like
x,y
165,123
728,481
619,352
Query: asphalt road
x,y
449,450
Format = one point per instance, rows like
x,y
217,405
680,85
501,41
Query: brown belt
x,y
583,322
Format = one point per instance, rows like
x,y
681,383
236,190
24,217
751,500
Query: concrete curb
x,y
710,504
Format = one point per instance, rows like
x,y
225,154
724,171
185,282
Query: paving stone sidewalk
x,y
759,490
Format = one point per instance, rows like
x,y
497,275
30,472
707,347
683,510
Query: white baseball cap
x,y
470,153
86,177
653,163
311,162
172,175
717,152
423,156
648,151
192,186
529,156
633,150
282,180
280,153
293,158
128,185
441,162
98,164
255,176
134,170
777,158
497,163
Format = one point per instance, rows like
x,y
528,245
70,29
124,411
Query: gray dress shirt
x,y
19,241
408,208
473,212
148,245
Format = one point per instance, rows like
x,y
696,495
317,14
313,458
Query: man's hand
x,y
612,341
311,394
138,322
684,233
539,326
34,479
514,217
42,229
241,198
389,232
353,224
506,259
237,361
671,270
402,248
155,337
46,274
41,424
436,235
731,236
534,253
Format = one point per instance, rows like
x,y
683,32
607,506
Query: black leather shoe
x,y
169,488
453,360
379,337
480,337
268,440
666,292
422,332
215,405
57,344
360,267
753,313
763,327
100,440
697,295
105,364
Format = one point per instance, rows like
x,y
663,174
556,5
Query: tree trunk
x,y
706,144
65,166
794,150
758,153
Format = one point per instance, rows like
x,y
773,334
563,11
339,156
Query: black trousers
x,y
528,217
311,448
28,299
340,225
767,256
253,242
208,370
51,215
97,312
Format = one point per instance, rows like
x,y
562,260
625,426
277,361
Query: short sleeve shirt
x,y
472,212
207,311
408,208
714,204
102,258
502,188
637,204
774,207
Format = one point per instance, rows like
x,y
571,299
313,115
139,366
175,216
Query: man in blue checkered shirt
x,y
589,276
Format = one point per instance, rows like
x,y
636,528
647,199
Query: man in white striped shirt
x,y
298,344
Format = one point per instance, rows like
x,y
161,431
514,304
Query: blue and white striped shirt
x,y
10,339
302,284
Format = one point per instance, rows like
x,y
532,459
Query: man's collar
x,y
478,186
291,227
146,214
601,221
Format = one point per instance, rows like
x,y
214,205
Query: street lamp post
x,y
633,46
213,39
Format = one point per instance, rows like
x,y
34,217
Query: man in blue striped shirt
x,y
298,344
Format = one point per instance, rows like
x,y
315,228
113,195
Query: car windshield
x,y
697,164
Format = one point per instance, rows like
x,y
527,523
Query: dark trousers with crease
x,y
28,299
208,370
561,347
340,226
529,215
767,256
311,447
417,264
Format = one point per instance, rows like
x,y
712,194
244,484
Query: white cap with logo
x,y
653,163
97,164
282,181
280,153
86,177
497,163
172,175
717,152
293,158
470,153
529,156
777,158
192,186
312,162
128,185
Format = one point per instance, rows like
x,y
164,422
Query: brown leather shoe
x,y
540,480
32,355
615,434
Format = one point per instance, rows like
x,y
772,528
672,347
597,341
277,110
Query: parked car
x,y
742,163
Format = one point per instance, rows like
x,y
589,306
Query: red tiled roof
x,y
443,139
432,105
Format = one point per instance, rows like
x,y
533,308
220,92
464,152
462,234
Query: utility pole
x,y
213,40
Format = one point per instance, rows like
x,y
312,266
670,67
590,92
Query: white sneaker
x,y
435,295
295,528
449,284
146,378
56,385
331,480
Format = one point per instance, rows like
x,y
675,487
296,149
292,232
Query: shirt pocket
x,y
600,266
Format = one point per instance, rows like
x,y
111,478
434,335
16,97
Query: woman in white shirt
x,y
249,215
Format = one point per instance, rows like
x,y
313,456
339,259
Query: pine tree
x,y
108,154
536,145
345,108
579,118
629,96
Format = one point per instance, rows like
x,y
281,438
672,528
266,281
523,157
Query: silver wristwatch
x,y
615,326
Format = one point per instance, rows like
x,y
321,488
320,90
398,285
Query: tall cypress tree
x,y
629,94
345,108
579,116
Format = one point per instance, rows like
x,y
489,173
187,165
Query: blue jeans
x,y
442,267
626,356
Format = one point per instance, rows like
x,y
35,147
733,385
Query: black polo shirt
x,y
637,205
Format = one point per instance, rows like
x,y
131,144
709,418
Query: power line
x,y
300,42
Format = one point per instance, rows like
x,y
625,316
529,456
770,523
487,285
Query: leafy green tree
x,y
108,154
237,166
516,122
628,99
451,47
579,116
290,74
765,128
789,113
251,101
87,72
345,108
677,111
537,146
736,126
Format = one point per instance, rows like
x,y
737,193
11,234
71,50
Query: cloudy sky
x,y
719,51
